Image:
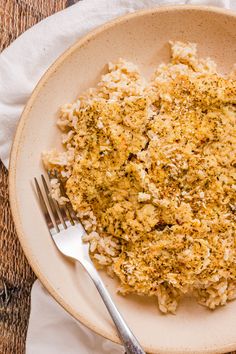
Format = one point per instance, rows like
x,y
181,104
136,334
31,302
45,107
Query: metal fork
x,y
66,231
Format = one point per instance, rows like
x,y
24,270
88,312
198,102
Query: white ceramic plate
x,y
141,38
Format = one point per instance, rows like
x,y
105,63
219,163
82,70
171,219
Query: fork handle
x,y
128,339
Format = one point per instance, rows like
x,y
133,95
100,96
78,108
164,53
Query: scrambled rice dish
x,y
150,168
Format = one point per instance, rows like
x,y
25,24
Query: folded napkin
x,y
51,329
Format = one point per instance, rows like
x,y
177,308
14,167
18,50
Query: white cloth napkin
x,y
51,330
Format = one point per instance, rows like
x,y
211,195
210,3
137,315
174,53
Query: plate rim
x,y
16,147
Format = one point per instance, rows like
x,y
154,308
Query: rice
x,y
149,167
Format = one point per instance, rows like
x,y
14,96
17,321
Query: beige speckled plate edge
x,y
16,147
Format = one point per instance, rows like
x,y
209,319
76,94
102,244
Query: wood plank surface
x,y
16,276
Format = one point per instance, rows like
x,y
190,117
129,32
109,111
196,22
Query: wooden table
x,y
16,276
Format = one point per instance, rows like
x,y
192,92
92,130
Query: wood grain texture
x,y
16,276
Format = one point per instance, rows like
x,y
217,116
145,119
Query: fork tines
x,y
57,216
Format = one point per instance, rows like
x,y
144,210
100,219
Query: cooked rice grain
x,y
150,169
